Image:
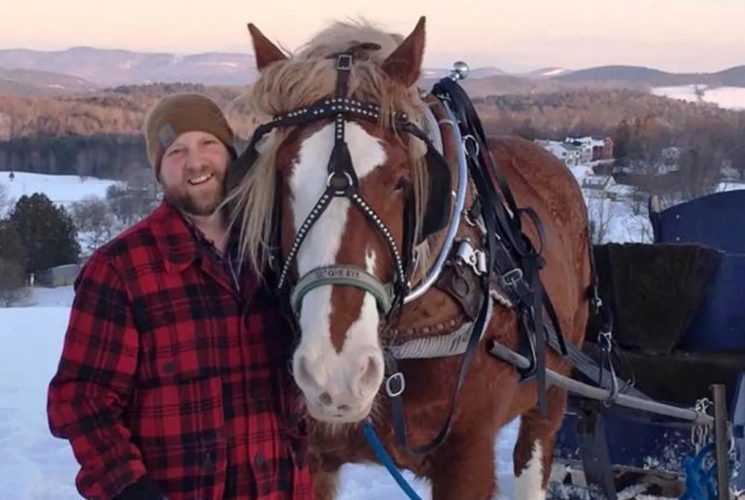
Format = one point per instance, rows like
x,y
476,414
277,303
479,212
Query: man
x,y
173,379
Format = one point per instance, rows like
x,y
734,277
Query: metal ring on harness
x,y
396,378
339,189
475,152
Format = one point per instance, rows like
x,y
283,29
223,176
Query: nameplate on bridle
x,y
320,274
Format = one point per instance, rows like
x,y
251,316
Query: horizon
x,y
435,66
574,34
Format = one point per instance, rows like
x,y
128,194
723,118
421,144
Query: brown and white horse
x,y
339,360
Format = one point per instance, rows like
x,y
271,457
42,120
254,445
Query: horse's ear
x,y
266,52
404,64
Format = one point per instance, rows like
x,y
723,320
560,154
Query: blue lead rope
x,y
699,480
386,460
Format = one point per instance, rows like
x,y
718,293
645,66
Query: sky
x,y
515,35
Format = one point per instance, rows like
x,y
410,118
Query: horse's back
x,y
534,173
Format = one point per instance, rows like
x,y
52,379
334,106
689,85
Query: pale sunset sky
x,y
516,35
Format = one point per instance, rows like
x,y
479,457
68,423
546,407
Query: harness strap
x,y
514,256
395,387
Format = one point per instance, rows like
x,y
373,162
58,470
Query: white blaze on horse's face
x,y
338,386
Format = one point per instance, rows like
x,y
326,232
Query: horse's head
x,y
349,184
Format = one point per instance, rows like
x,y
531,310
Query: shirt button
x,y
207,461
259,460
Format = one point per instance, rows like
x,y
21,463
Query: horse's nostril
x,y
343,407
325,399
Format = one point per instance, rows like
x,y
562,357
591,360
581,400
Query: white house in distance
x,y
579,150
567,153
597,186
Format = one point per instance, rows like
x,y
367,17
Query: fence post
x,y
721,439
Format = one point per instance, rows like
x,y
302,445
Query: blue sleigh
x,y
679,330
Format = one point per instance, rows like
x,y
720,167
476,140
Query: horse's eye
x,y
402,184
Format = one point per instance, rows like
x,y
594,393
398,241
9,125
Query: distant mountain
x,y
733,77
123,67
31,82
641,76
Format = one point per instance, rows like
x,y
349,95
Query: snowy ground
x,y
614,221
724,97
36,466
61,189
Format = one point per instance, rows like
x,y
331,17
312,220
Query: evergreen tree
x,y
12,257
46,231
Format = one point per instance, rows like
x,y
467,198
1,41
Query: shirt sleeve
x,y
89,393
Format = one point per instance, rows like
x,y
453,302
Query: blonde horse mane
x,y
300,80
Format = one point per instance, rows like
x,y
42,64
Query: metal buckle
x,y
510,278
344,62
466,254
605,339
477,222
395,385
339,189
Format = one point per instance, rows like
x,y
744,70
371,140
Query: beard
x,y
197,200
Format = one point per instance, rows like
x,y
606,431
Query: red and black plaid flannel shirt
x,y
169,369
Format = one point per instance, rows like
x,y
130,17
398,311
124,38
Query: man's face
x,y
192,173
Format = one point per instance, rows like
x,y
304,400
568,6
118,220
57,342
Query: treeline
x,y
103,156
641,125
117,111
100,134
590,112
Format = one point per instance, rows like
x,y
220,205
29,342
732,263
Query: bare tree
x,y
136,197
93,218
601,217
5,202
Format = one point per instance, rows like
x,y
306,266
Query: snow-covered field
x,y
615,221
724,97
61,189
36,466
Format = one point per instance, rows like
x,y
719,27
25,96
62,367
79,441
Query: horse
x,y
340,194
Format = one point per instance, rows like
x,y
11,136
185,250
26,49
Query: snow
x,y
555,72
36,466
226,64
61,189
729,186
617,220
724,97
33,464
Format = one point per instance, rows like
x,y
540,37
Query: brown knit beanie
x,y
175,114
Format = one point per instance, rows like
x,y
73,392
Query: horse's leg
x,y
464,469
535,446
